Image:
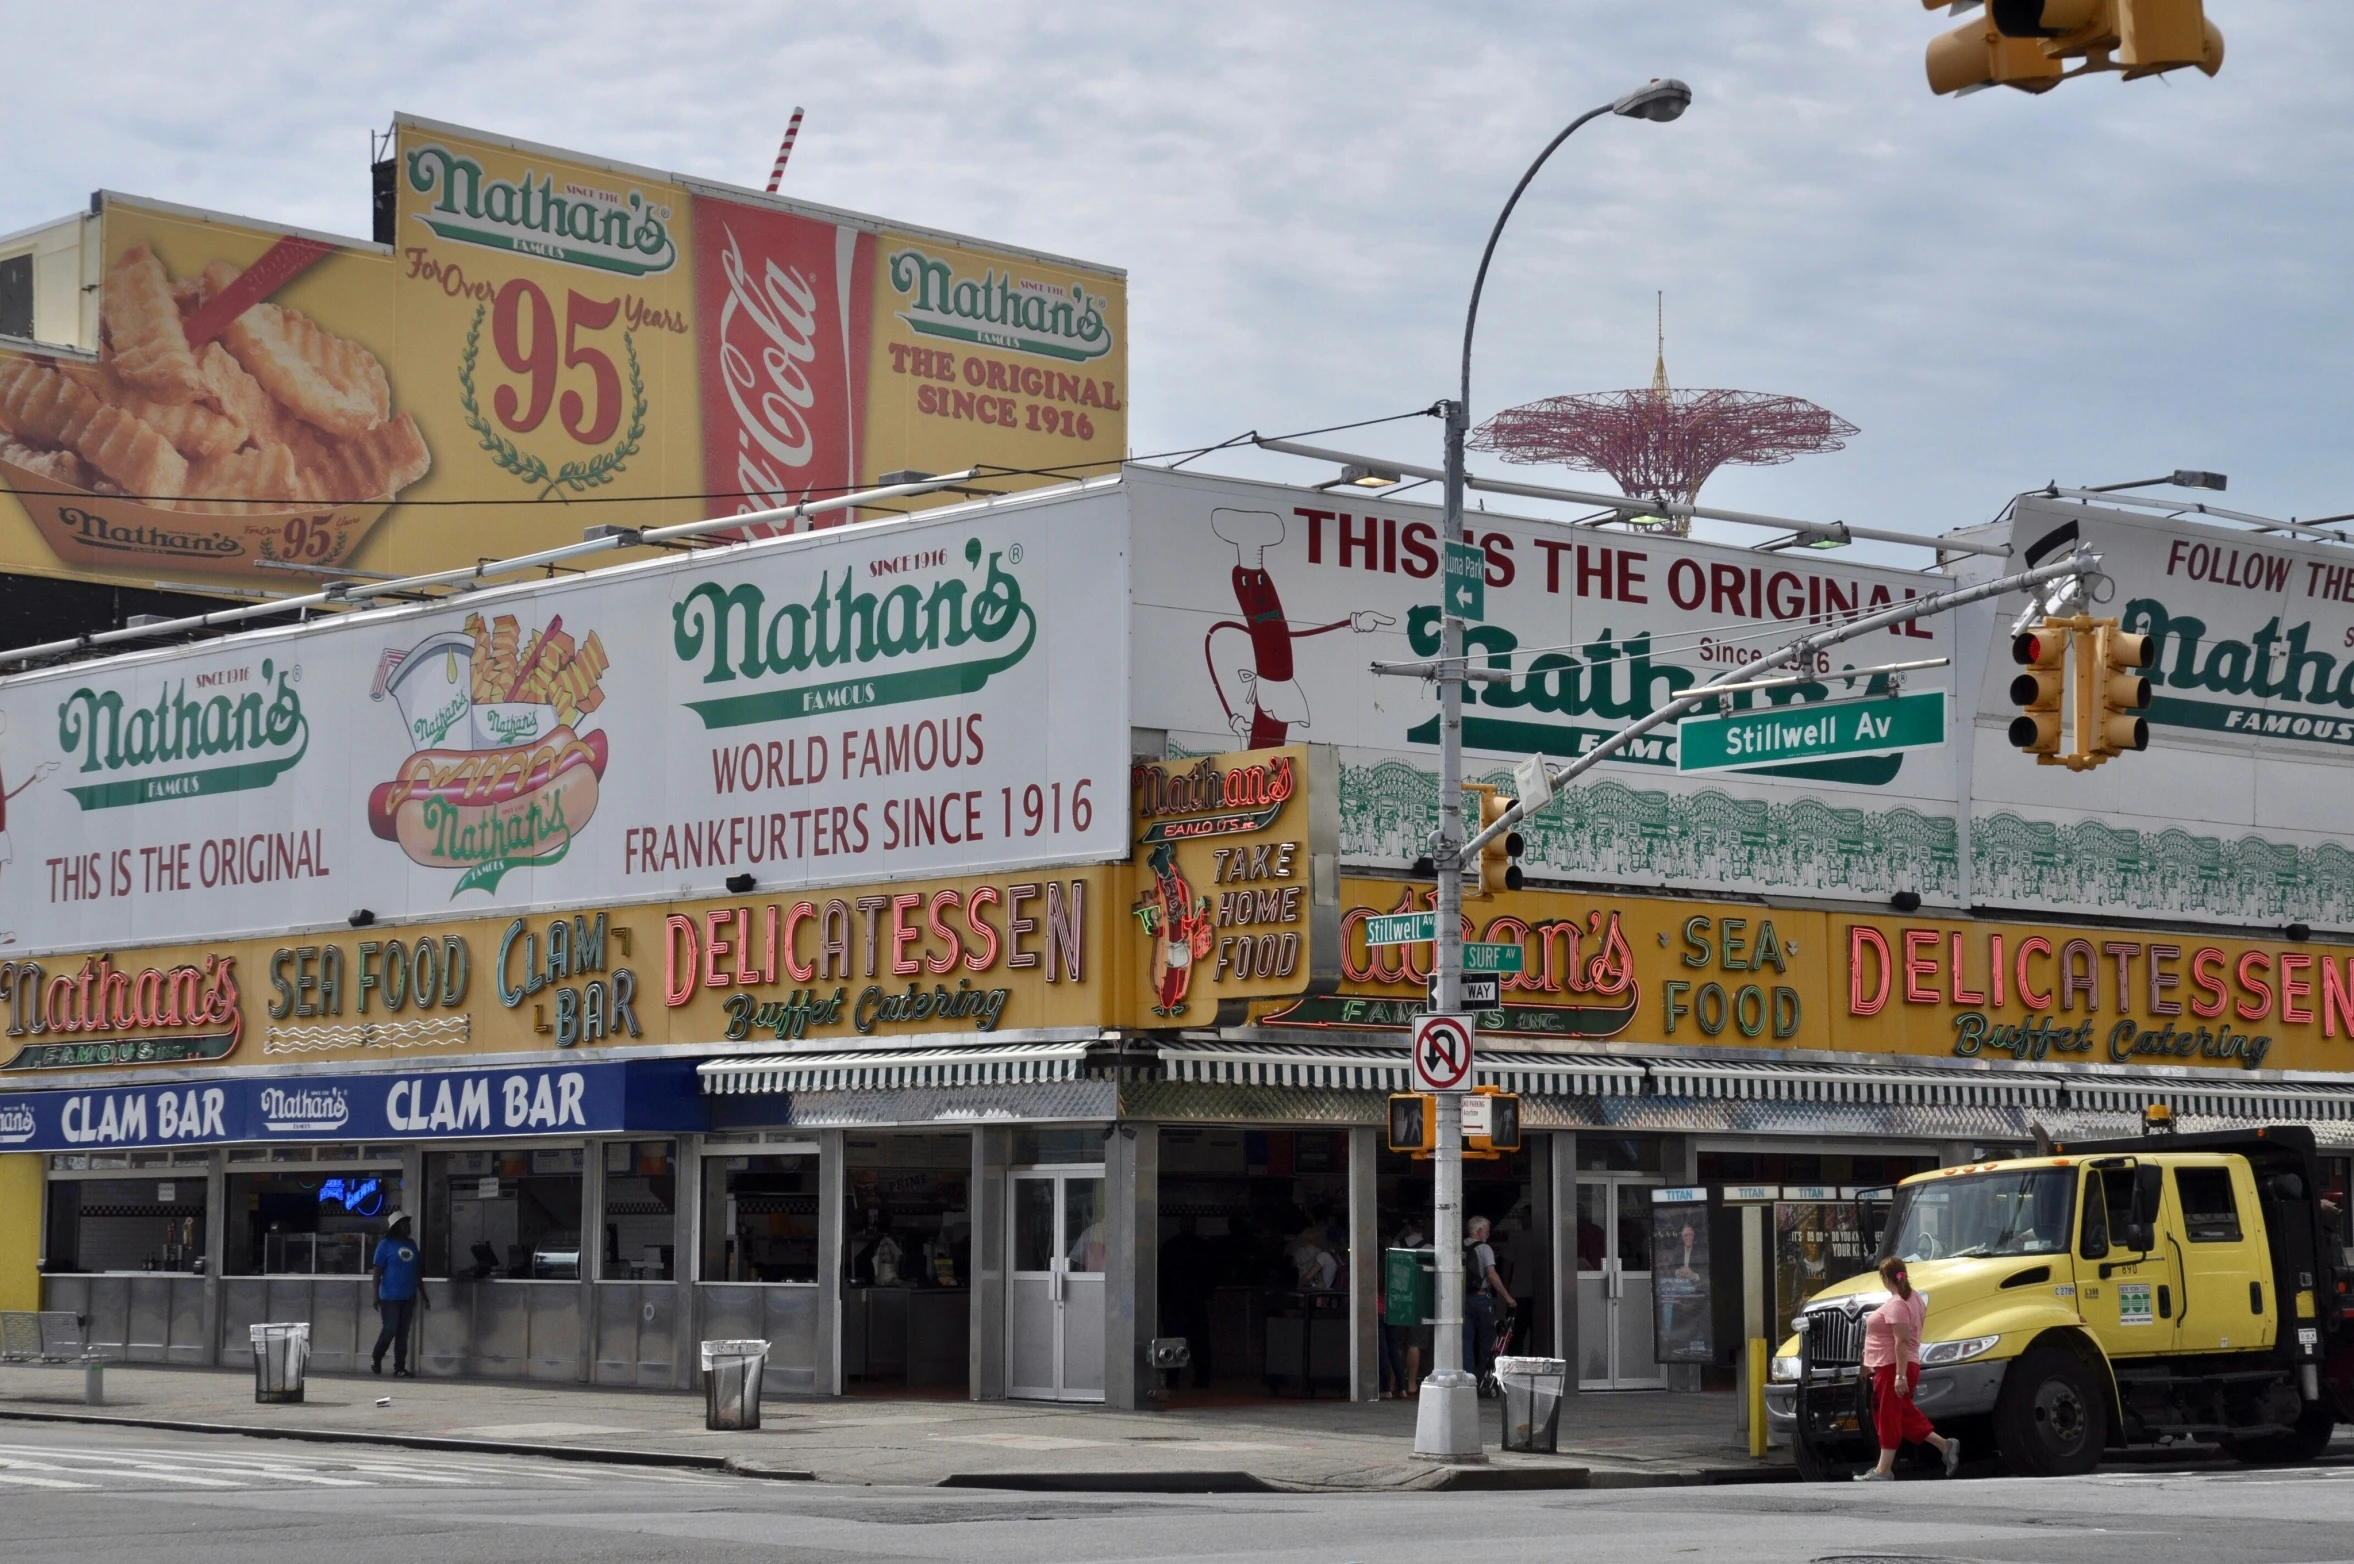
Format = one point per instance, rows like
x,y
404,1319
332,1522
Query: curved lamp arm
x,y
1471,316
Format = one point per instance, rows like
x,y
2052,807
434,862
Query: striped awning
x,y
1385,1069
2256,1100
1855,1083
885,1069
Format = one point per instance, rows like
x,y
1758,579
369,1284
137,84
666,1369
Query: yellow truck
x,y
2138,1292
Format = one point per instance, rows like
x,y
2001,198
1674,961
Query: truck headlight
x,y
1958,1351
1783,1370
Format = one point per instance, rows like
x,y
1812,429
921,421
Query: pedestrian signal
x,y
1414,1123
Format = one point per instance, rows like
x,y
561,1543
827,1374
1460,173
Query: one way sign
x,y
1467,581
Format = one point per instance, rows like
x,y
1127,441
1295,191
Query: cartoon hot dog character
x,y
500,776
1273,702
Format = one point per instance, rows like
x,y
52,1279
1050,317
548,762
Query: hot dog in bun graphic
x,y
500,776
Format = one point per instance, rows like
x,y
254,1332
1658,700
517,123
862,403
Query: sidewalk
x,y
1623,1440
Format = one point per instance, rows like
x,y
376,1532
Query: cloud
x,y
2103,282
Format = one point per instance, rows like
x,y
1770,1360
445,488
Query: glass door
x,y
1616,1347
1055,1299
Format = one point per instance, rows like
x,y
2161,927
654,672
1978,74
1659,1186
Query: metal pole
x,y
1447,1414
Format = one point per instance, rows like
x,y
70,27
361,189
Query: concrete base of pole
x,y
1446,1419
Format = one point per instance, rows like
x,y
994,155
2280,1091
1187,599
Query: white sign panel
x,y
2240,808
1259,610
941,695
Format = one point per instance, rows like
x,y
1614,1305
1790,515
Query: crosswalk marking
x,y
72,1467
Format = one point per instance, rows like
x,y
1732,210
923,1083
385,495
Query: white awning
x,y
1385,1070
1855,1083
2255,1100
881,1069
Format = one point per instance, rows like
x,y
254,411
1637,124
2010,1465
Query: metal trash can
x,y
1533,1391
731,1383
280,1355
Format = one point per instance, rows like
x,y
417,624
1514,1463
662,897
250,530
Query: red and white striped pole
x,y
792,129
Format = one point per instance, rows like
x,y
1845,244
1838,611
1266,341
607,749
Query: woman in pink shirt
x,y
1892,1356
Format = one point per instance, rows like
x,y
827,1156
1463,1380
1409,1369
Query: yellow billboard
x,y
536,342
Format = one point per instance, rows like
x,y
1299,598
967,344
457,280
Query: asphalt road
x,y
71,1494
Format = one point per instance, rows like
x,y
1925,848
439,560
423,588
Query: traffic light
x,y
2038,691
1414,1123
1497,871
2122,690
2022,43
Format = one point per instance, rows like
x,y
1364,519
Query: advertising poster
x,y
538,342
1816,1243
856,704
2239,811
1238,894
1268,607
987,355
1680,1283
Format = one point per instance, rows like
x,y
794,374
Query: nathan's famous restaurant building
x,y
937,945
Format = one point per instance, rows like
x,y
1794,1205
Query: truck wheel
x,y
2305,1442
2051,1420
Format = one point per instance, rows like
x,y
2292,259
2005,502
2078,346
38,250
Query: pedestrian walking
x,y
398,1292
1892,1356
1483,1289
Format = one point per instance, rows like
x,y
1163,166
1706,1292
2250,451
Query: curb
x,y
1112,1482
330,1436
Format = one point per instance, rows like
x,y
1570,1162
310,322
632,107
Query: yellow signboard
x,y
539,342
1236,894
967,956
1693,974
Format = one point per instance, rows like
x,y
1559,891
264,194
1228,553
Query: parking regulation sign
x,y
1442,1053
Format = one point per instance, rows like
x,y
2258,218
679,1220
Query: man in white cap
x,y
397,1293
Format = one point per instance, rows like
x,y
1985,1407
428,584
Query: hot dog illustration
x,y
1273,702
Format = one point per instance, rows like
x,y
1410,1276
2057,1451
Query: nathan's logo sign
x,y
17,1125
572,221
1207,801
1579,978
861,634
999,310
302,1110
2278,668
107,1015
500,776
219,739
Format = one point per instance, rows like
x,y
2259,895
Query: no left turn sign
x,y
1442,1053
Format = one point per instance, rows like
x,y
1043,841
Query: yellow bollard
x,y
1756,1389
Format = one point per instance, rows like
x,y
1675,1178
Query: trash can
x,y
731,1383
280,1355
1533,1388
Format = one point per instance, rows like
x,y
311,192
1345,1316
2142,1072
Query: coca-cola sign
x,y
784,302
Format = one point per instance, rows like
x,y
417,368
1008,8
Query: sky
x,y
2101,283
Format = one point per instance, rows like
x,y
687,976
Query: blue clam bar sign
x,y
562,1099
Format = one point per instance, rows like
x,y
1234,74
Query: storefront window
x,y
1618,1153
510,1212
641,1201
760,1219
909,1222
126,1224
308,1222
1042,1148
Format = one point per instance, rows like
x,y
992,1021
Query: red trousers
x,y
1895,1416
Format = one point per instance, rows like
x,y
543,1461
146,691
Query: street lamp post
x,y
1447,1415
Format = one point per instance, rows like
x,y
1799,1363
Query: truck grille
x,y
1834,1338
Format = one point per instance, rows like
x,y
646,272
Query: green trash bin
x,y
1409,1282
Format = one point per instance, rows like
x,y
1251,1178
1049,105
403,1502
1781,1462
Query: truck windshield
x,y
2023,1212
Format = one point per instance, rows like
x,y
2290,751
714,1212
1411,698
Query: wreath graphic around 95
x,y
1442,1053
